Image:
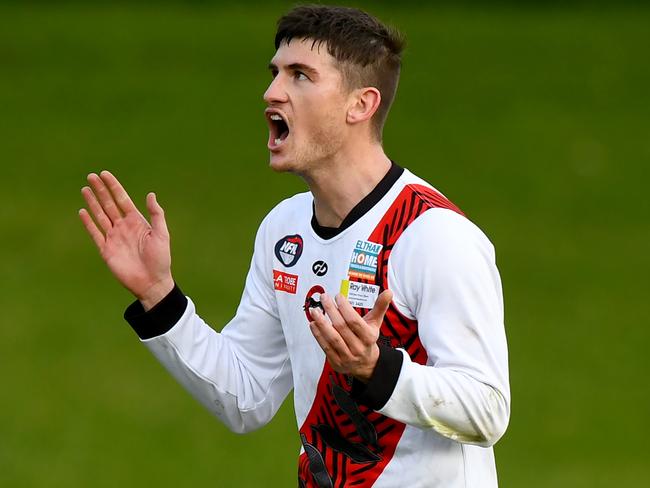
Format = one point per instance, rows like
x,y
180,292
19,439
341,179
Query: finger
x,y
350,328
355,322
121,197
329,335
340,323
377,313
104,197
92,229
331,354
157,215
96,209
330,308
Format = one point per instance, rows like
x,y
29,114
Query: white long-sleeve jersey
x,y
438,398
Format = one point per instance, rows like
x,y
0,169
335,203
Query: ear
x,y
364,104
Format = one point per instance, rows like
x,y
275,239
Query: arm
x,y
443,274
241,375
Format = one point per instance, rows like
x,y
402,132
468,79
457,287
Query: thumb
x,y
157,215
381,306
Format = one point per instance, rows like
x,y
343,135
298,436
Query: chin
x,y
281,163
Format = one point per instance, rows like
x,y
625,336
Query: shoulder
x,y
442,256
446,227
439,237
439,222
287,218
294,209
298,205
444,238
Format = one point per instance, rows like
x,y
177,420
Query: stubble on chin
x,y
325,142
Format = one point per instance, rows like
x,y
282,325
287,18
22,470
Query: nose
x,y
275,93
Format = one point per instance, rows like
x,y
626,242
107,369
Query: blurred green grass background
x,y
534,119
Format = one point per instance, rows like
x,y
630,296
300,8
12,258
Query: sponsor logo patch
x,y
288,250
319,268
285,281
363,264
360,295
312,300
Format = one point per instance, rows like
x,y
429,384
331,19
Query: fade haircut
x,y
368,53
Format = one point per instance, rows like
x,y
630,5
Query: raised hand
x,y
136,252
349,340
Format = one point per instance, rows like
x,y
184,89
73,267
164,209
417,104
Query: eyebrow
x,y
296,67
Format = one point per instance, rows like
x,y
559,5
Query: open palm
x,y
136,252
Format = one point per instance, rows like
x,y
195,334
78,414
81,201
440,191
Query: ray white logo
x,y
360,295
362,287
288,250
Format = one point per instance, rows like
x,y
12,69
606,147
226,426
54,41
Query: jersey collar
x,y
361,208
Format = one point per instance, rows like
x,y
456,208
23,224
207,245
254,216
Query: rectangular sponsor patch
x,y
360,295
363,264
285,282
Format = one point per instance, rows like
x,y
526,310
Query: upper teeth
x,y
275,117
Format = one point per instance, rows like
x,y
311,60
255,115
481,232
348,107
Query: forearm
x,y
241,393
450,402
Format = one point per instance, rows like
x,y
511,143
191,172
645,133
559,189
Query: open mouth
x,y
278,129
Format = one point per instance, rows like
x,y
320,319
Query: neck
x,y
341,182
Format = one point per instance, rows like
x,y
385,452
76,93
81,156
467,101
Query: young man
x,y
372,296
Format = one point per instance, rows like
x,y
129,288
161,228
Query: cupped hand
x,y
348,339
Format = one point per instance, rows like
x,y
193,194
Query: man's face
x,y
306,109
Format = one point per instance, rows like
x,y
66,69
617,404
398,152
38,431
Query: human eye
x,y
300,76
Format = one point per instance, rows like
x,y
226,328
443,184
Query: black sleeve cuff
x,y
160,318
379,389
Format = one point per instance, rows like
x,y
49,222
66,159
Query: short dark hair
x,y
368,52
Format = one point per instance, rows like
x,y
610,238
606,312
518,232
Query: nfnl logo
x,y
288,250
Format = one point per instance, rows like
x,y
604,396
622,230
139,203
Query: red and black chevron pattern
x,y
349,445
